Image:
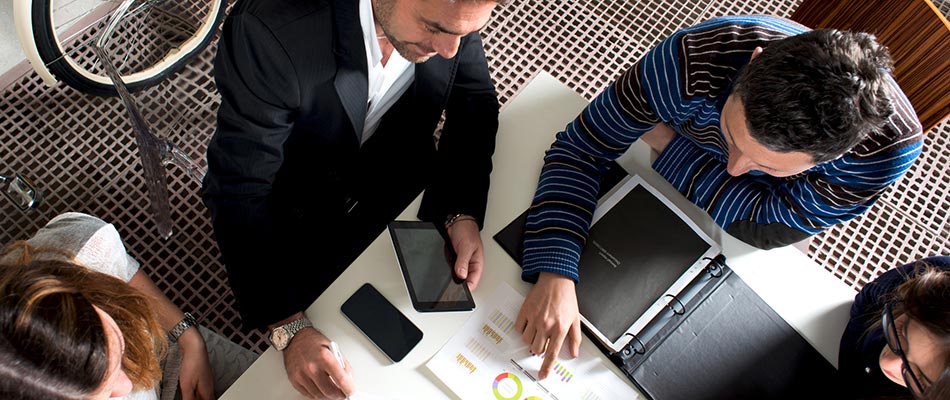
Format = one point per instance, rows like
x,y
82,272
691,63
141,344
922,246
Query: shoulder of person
x,y
900,138
713,52
68,232
86,240
277,14
762,26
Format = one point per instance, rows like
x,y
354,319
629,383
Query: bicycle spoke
x,y
152,38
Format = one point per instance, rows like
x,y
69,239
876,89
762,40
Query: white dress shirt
x,y
385,84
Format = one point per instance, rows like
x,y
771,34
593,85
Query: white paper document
x,y
368,396
486,359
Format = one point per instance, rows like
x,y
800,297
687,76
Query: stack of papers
x,y
486,359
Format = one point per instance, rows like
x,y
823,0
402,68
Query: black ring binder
x,y
677,300
714,268
640,348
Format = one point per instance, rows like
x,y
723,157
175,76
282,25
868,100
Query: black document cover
x,y
511,237
717,340
728,344
640,246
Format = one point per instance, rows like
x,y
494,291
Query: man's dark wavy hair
x,y
821,92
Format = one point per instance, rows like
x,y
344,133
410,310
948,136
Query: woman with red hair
x,y
80,320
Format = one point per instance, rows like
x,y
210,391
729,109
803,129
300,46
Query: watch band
x,y
181,327
452,219
296,325
281,336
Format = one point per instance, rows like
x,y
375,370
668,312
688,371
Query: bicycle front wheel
x,y
156,39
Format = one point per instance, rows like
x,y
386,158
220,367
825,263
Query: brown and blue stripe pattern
x,y
684,81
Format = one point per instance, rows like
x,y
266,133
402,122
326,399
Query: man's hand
x,y
195,378
658,137
313,370
470,259
548,316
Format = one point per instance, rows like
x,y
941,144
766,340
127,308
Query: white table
x,y
813,301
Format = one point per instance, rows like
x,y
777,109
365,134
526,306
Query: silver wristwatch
x,y
280,337
180,328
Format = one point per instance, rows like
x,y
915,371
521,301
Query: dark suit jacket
x,y
285,166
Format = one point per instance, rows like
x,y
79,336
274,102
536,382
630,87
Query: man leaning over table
x,y
325,134
778,132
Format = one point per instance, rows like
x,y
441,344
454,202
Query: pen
x,y
335,348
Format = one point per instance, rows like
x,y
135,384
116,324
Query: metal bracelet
x,y
452,219
181,327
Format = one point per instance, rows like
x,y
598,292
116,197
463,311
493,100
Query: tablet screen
x,y
426,262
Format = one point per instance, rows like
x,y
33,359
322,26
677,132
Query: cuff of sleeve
x,y
437,215
558,261
766,236
677,158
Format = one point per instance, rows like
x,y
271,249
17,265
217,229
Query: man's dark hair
x,y
821,92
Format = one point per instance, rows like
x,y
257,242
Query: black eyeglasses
x,y
894,343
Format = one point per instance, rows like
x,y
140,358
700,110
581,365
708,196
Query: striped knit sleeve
x,y
560,215
758,209
682,82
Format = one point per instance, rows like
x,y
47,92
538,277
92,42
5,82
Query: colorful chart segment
x,y
561,371
465,363
501,321
590,396
478,350
491,334
485,359
507,386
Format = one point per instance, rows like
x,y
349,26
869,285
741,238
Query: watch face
x,y
279,338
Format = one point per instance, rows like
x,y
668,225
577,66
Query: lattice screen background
x,y
80,150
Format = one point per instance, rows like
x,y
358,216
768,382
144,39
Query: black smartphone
x,y
427,262
381,322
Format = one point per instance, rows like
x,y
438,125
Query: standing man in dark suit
x,y
325,134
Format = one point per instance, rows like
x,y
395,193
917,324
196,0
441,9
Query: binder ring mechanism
x,y
633,347
675,300
714,267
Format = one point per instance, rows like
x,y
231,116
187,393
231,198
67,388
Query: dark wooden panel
x,y
916,33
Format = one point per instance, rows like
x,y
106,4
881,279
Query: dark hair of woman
x,y
925,298
52,340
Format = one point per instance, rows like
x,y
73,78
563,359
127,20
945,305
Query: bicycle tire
x,y
70,72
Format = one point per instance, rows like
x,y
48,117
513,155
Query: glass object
x,y
156,152
892,337
20,191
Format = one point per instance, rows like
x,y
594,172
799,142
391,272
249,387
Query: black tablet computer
x,y
427,260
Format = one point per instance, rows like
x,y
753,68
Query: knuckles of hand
x,y
312,368
554,325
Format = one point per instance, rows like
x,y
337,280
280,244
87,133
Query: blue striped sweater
x,y
684,81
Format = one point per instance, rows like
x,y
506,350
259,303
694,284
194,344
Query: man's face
x,y
746,154
419,29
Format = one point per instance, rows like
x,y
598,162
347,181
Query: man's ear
x,y
756,52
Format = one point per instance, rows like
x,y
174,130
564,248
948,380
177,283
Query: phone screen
x,y
427,263
381,322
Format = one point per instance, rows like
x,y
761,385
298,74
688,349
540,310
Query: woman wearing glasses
x,y
897,343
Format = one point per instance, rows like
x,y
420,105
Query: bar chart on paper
x,y
487,360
